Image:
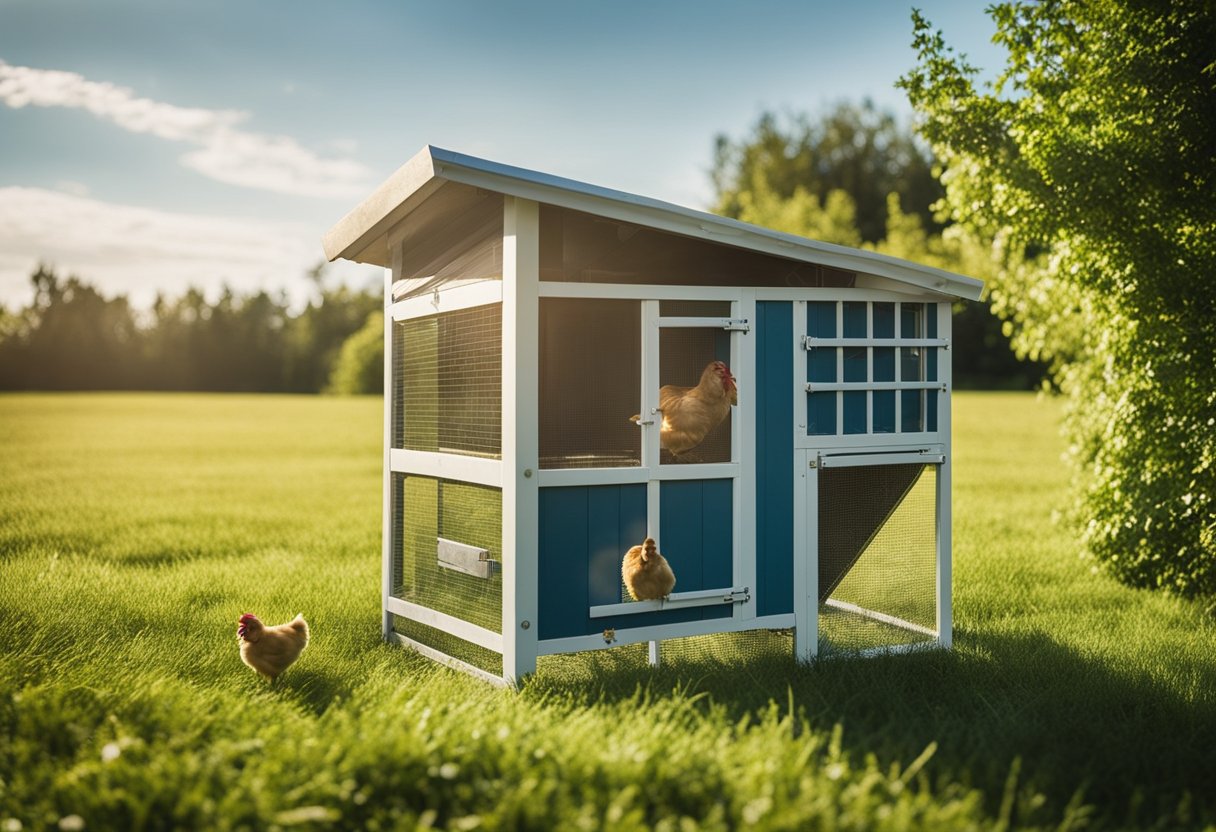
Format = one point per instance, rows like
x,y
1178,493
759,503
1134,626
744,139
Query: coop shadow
x,y
1126,743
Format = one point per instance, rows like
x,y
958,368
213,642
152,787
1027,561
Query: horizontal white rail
x,y
830,386
675,601
860,460
659,632
456,467
812,342
451,299
452,662
448,623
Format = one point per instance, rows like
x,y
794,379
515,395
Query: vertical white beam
x,y
390,521
743,446
806,555
520,443
651,451
945,609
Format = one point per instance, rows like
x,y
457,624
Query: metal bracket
x,y
609,635
737,325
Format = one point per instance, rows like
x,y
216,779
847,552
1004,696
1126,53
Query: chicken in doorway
x,y
689,414
646,573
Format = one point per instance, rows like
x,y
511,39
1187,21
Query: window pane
x,y
884,320
854,319
694,429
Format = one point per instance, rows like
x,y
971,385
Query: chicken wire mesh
x,y
877,556
590,383
684,353
447,382
429,516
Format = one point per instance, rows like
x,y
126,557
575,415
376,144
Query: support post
x,y
945,610
390,519
520,442
806,556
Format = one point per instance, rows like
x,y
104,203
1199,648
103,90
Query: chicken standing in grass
x,y
646,573
690,413
270,650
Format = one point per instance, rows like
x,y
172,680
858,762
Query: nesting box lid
x,y
364,234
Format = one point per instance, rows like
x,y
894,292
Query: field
x,y
135,529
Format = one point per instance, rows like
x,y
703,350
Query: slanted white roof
x,y
363,234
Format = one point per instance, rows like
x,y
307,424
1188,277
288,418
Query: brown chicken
x,y
646,573
270,650
690,413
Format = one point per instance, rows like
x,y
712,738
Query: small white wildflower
x,y
449,771
71,823
11,825
835,771
110,752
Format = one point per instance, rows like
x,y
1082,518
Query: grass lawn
x,y
135,529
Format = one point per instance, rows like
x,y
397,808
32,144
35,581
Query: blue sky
x,y
148,145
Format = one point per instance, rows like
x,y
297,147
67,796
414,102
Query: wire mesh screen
x,y
695,427
449,645
725,652
447,382
590,383
877,556
449,553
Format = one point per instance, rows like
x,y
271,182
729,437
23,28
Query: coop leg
x,y
654,654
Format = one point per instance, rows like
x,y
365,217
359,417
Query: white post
x,y
520,443
390,522
945,610
743,444
806,555
651,452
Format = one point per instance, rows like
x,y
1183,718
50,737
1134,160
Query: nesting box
x,y
533,326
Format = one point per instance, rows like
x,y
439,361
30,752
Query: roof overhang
x,y
363,234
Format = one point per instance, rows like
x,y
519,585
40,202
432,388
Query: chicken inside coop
x,y
687,415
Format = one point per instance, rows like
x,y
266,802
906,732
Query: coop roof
x,y
364,234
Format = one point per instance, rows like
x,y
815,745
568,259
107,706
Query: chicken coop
x,y
546,339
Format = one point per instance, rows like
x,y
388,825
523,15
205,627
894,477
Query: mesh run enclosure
x,y
447,382
877,556
428,509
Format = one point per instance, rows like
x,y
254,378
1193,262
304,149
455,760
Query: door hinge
x,y
737,325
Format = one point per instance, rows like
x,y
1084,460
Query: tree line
x,y
73,337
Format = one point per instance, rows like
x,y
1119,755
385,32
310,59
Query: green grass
x,y
134,530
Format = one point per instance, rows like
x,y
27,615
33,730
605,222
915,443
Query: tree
x,y
360,365
1093,154
859,150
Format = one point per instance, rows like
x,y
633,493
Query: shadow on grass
x,y
1138,750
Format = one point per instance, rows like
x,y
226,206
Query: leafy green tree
x,y
1094,152
360,365
859,150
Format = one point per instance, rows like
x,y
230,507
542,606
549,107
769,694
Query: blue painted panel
x,y
931,320
931,364
884,363
717,539
562,562
854,319
855,411
821,319
605,545
584,533
884,320
821,409
855,364
884,411
821,364
932,411
910,421
911,320
774,590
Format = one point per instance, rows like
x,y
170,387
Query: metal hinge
x,y
737,596
737,325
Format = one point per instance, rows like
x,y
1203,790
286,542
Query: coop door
x,y
675,475
873,552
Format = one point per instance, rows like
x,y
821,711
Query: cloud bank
x,y
139,252
224,151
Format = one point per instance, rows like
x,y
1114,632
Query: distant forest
x,y
72,337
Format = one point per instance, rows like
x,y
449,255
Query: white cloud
x,y
138,252
225,152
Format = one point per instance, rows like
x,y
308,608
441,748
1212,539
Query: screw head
x,y
523,625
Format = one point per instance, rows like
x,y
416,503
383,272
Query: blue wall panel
x,y
774,591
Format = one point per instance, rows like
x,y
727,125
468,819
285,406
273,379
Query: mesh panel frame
x,y
878,555
447,382
425,509
684,353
